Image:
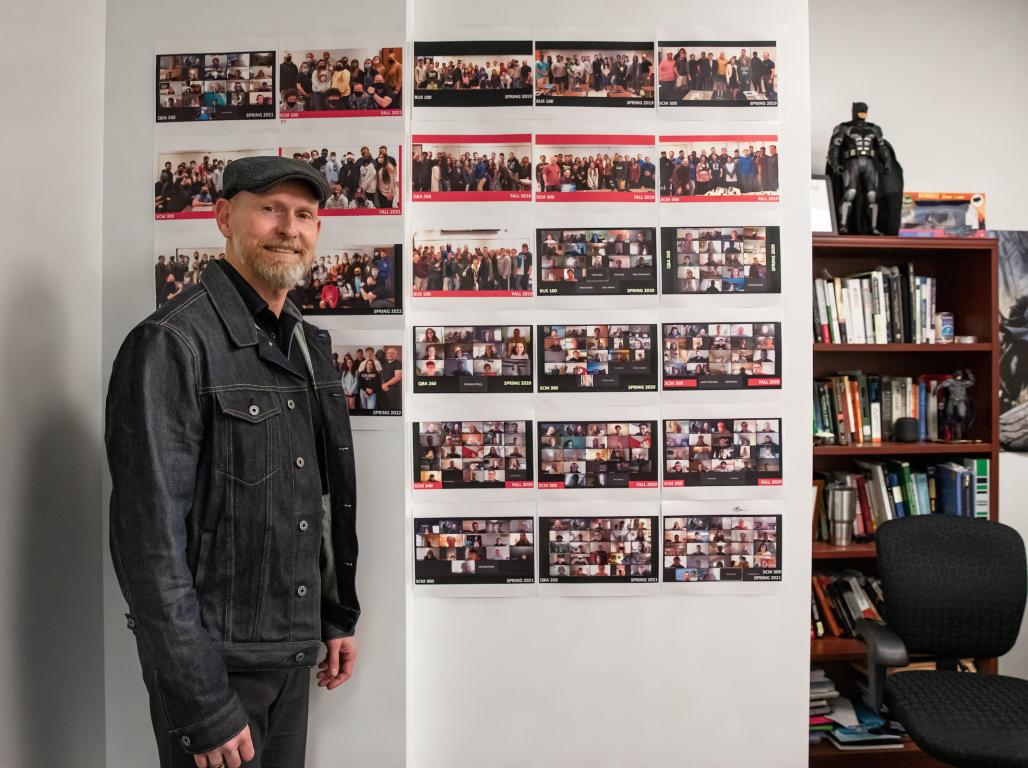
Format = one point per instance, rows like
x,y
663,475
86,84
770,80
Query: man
x,y
237,564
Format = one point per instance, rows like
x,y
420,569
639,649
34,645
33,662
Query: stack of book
x,y
839,600
890,489
888,305
860,409
822,694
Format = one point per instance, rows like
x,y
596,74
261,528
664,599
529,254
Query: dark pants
x,y
276,702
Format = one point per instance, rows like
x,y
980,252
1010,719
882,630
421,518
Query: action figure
x,y
854,147
958,408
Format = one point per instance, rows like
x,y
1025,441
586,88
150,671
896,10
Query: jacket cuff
x,y
214,730
341,617
330,631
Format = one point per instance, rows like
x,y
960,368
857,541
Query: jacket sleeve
x,y
154,432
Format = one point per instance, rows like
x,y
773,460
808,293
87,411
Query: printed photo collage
x,y
467,549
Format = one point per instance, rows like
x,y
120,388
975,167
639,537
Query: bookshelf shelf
x,y
824,755
904,449
827,649
860,550
846,349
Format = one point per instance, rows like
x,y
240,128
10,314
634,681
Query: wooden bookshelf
x,y
966,274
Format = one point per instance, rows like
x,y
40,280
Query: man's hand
x,y
338,664
232,754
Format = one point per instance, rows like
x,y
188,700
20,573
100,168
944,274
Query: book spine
x,y
931,308
980,480
874,385
823,333
886,387
833,311
855,311
881,325
868,303
922,411
841,303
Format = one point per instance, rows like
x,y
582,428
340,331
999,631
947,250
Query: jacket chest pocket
x,y
249,439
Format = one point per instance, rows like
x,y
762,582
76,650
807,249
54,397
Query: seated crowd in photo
x,y
191,185
345,281
466,75
728,77
568,172
470,172
448,268
321,84
173,273
613,74
368,181
747,172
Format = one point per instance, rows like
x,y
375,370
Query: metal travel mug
x,y
842,509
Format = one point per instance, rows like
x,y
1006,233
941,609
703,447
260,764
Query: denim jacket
x,y
226,551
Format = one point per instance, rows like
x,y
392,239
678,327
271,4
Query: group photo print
x,y
372,378
472,262
353,280
597,454
594,74
473,358
588,357
597,262
471,167
364,179
717,73
188,183
718,168
473,73
724,355
594,168
340,82
720,548
597,550
177,268
215,86
711,260
485,550
472,454
719,452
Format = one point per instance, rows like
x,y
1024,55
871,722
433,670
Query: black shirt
x,y
280,330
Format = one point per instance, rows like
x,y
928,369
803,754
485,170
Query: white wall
x,y
364,720
642,681
51,636
944,79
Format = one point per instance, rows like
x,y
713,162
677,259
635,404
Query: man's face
x,y
274,233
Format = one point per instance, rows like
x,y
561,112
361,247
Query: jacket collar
x,y
230,307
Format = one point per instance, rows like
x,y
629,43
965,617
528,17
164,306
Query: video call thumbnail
x,y
473,73
597,262
721,259
591,358
719,452
722,355
717,548
480,550
473,358
708,73
216,86
589,73
597,454
472,454
597,550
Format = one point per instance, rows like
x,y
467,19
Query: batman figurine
x,y
856,155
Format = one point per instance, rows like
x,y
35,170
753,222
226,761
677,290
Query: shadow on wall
x,y
55,538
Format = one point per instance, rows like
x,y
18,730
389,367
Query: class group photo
x,y
719,167
493,262
359,279
594,169
191,182
477,167
340,81
718,74
210,86
359,177
583,75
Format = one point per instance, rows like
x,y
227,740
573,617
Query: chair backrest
x,y
955,587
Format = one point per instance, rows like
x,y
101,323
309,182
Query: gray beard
x,y
275,275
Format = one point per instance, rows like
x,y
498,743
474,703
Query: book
x,y
980,480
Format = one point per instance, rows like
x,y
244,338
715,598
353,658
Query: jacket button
x,y
254,410
186,741
345,448
130,622
304,525
299,657
290,404
271,343
299,461
301,590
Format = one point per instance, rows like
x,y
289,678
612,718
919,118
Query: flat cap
x,y
261,172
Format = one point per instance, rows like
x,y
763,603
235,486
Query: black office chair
x,y
954,588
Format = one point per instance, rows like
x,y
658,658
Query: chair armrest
x,y
884,649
